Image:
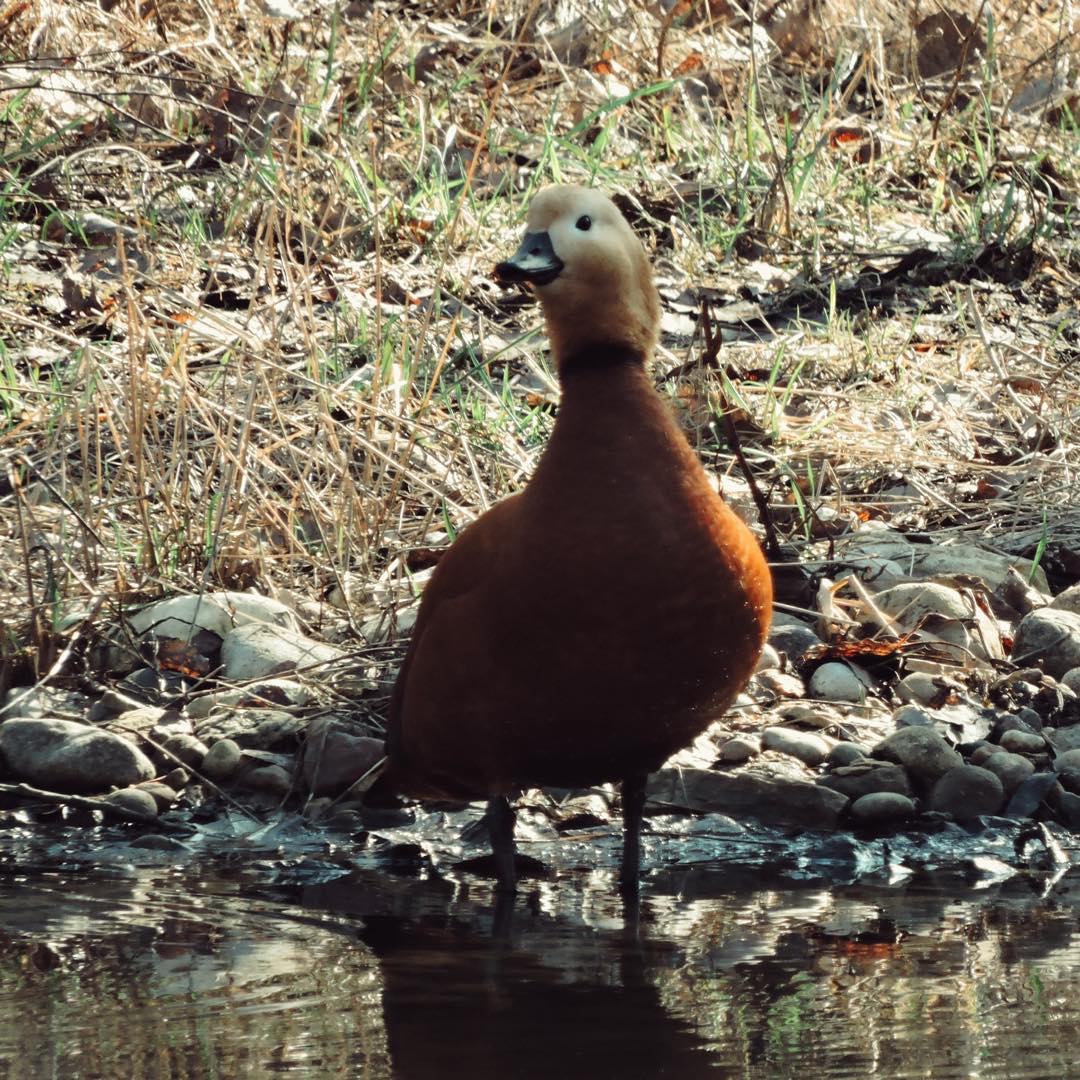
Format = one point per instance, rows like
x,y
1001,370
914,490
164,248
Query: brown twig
x,y
711,359
86,802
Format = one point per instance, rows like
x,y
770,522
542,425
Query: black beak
x,y
535,261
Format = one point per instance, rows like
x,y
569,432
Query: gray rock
x,y
967,792
187,748
335,757
272,779
177,779
1052,636
61,755
882,808
257,651
768,659
1011,769
1068,599
1066,738
881,573
160,842
981,752
1067,767
836,681
809,749
939,560
922,751
912,716
1071,680
163,795
1022,742
133,798
253,729
37,701
1068,807
221,760
219,612
922,688
845,753
774,801
272,692
783,684
944,613
739,749
866,778
393,623
793,639
1030,795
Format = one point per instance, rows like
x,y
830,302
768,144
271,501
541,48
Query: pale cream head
x,y
603,294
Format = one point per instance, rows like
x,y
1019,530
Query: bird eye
x,y
584,223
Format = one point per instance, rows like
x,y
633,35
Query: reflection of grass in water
x,y
786,1022
1038,992
916,1005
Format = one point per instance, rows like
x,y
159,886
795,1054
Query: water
x,y
295,961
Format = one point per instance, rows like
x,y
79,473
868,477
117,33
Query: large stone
x,y
1065,738
253,729
221,760
793,638
271,779
1031,794
257,651
739,749
938,560
61,755
1049,635
866,778
1067,767
836,681
135,798
1021,742
922,751
1068,599
882,808
268,693
810,749
967,792
1011,769
334,758
772,800
943,613
219,612
845,753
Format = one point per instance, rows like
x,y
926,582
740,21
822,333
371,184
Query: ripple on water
x,y
208,970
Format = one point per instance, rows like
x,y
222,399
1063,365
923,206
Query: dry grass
x,y
249,339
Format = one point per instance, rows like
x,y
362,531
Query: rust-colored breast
x,y
589,627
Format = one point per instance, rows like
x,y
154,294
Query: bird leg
x,y
633,809
500,817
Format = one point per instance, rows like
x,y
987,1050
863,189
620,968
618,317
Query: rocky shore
x,y
930,682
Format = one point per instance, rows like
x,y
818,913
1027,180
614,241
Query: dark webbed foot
x,y
633,809
500,817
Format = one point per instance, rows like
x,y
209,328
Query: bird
x,y
584,629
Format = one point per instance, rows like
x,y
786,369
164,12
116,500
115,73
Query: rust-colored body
x,y
583,630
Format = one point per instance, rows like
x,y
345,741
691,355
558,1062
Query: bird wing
x,y
465,568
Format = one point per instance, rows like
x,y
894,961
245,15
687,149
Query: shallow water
x,y
293,960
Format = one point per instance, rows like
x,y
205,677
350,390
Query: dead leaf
x,y
694,62
862,144
182,657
